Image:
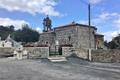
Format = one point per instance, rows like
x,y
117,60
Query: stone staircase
x,y
57,58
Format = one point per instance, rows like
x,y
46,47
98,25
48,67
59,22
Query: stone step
x,y
57,59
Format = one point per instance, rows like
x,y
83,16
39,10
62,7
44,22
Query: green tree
x,y
26,34
115,43
5,31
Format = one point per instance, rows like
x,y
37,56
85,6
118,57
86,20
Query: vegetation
x,y
114,44
5,31
26,34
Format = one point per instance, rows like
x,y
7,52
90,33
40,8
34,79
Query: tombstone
x,y
18,53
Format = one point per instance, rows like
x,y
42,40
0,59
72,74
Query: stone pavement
x,y
43,69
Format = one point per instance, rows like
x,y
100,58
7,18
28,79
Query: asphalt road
x,y
43,69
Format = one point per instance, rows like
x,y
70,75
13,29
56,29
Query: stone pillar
x,y
89,55
19,55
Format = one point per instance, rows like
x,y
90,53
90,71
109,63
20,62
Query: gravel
x,y
42,69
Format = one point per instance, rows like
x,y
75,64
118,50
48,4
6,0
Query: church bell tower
x,y
47,24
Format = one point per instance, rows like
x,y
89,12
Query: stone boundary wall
x,y
6,52
112,55
82,53
37,52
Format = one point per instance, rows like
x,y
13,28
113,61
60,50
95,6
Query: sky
x,y
105,14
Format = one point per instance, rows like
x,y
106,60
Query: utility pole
x,y
89,22
89,14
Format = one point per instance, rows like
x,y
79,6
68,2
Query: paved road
x,y
43,69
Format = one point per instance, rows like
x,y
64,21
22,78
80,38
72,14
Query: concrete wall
x,y
4,52
82,53
105,55
38,52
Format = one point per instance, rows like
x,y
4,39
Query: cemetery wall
x,y
81,53
6,52
38,52
112,55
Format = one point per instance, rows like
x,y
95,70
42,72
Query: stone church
x,y
73,34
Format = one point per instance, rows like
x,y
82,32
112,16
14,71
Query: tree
x,y
11,27
115,43
5,31
26,34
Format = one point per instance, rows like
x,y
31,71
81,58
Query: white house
x,y
9,42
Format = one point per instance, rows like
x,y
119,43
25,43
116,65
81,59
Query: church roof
x,y
75,24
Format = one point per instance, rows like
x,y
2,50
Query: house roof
x,y
75,24
97,34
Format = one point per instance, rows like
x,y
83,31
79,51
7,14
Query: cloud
x,y
38,29
109,19
17,23
111,34
106,19
31,6
94,1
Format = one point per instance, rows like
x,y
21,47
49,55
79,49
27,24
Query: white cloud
x,y
17,23
38,29
83,22
109,20
31,6
105,16
111,34
113,19
117,22
95,1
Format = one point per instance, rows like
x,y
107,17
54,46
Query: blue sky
x,y
105,14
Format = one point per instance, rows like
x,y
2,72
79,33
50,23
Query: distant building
x,y
73,34
9,42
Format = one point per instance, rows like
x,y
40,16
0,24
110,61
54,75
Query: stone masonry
x,y
112,55
77,35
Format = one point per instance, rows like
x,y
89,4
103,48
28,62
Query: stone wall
x,y
6,52
67,51
84,41
38,52
66,35
77,35
105,55
47,38
82,53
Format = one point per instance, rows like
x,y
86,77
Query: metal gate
x,y
56,50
